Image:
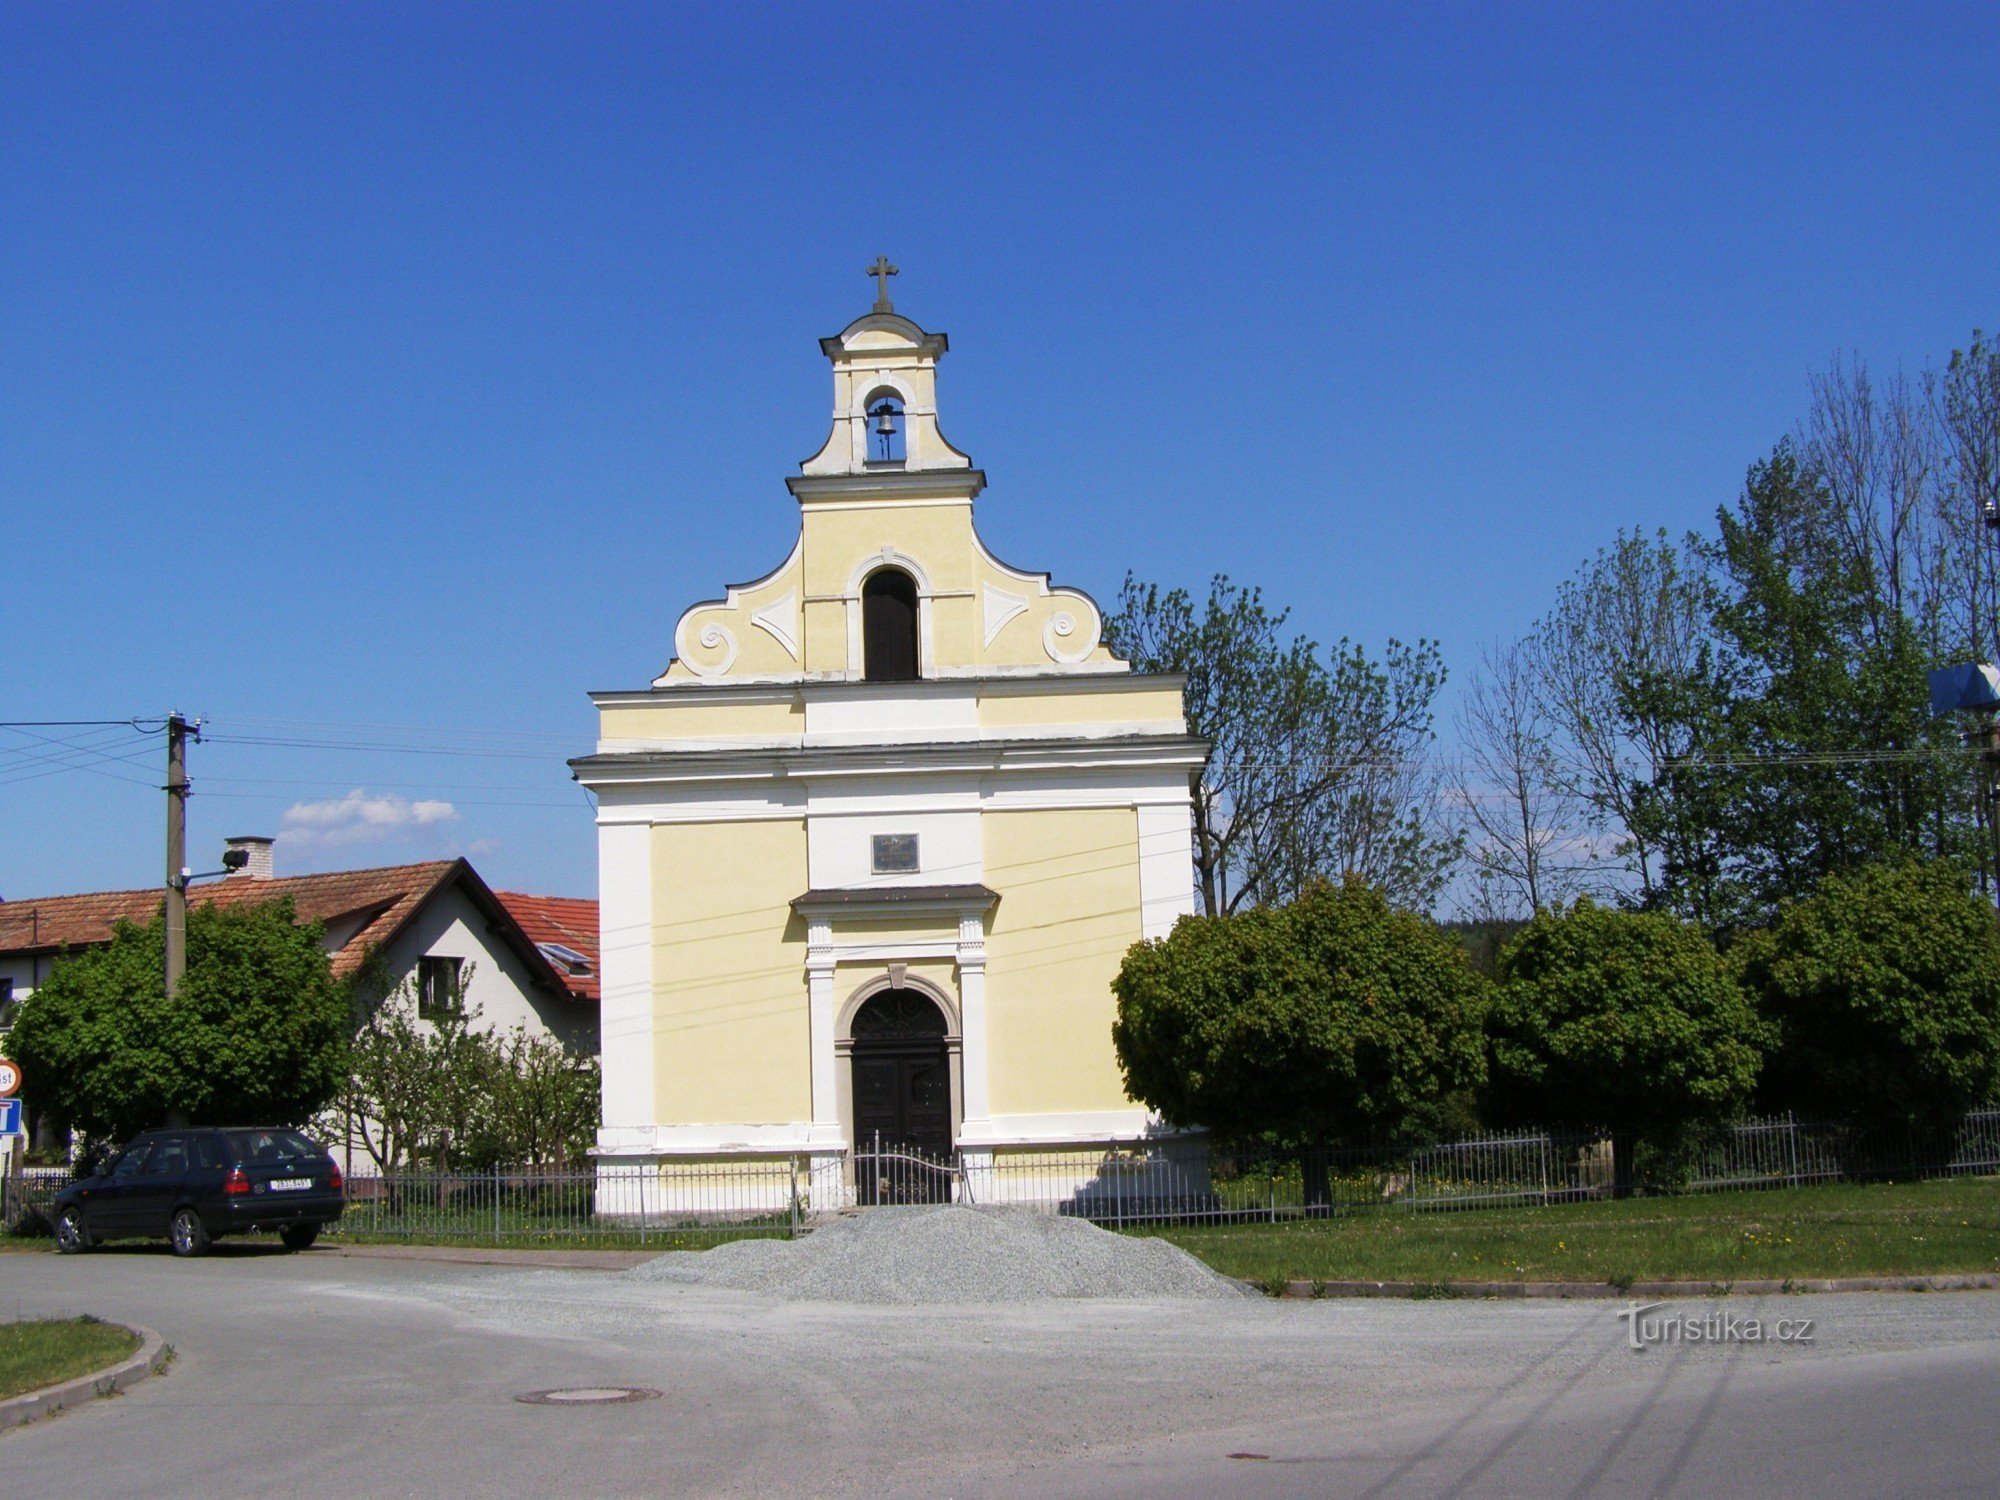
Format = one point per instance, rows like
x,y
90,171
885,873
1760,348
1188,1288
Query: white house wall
x,y
498,982
26,972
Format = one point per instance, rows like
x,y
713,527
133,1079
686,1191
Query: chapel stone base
x,y
1090,1178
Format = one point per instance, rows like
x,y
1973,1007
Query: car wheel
x,y
299,1236
72,1231
188,1235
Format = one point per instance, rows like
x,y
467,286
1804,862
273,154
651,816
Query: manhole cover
x,y
589,1395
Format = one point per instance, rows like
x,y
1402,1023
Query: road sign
x,y
10,1117
10,1077
1971,684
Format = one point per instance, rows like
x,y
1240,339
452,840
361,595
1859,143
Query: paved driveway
x,y
320,1374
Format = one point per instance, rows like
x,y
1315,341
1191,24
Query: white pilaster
x,y
972,1018
625,958
819,992
826,1184
1166,856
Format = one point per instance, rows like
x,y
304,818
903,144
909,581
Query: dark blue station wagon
x,y
192,1187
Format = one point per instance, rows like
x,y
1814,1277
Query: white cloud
x,y
359,818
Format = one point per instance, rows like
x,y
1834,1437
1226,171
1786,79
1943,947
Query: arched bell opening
x,y
888,435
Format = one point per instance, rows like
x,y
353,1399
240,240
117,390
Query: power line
x,y
371,784
455,801
421,731
69,754
83,723
100,757
293,743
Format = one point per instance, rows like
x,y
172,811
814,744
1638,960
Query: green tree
x,y
1622,1021
1822,756
1337,1017
257,1032
544,1108
1624,666
418,1089
446,1093
1317,764
1884,986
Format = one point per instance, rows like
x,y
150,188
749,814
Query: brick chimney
x,y
258,847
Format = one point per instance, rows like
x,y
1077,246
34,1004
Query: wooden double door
x,y
902,1098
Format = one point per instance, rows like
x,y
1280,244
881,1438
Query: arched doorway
x,y
901,1061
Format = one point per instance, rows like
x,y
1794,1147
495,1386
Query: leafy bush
x,y
1336,1017
257,1030
1622,1021
1884,987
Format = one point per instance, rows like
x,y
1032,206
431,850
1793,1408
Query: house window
x,y
437,987
895,854
889,626
8,1005
565,957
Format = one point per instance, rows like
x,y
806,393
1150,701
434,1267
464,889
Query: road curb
x,y
1314,1290
153,1353
474,1255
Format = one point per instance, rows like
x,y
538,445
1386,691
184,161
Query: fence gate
x,y
897,1173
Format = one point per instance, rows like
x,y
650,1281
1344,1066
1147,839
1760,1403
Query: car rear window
x,y
269,1145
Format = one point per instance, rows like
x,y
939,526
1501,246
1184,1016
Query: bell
x,y
885,420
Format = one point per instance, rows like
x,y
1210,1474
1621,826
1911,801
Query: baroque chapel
x,y
873,845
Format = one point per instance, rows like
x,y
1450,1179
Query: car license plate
x,y
291,1184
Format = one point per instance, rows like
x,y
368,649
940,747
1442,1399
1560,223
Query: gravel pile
x,y
947,1253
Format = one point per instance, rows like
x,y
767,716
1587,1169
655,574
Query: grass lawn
x,y
36,1354
1884,1229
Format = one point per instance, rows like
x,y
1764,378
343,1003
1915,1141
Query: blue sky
x,y
375,380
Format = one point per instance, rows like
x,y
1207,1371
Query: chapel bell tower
x,y
884,395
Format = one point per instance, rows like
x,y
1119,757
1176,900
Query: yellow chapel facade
x,y
872,847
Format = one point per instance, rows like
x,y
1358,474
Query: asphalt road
x,y
318,1374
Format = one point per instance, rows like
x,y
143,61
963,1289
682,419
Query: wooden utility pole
x,y
177,788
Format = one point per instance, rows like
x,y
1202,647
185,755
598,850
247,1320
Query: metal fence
x,y
693,1204
25,1198
1185,1180
696,1203
1773,1152
1783,1152
1524,1168
1978,1143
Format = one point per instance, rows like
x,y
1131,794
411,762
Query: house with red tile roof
x,y
522,960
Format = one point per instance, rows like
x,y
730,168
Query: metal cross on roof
x,y
882,271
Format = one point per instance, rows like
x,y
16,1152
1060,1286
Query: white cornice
x,y
885,484
992,681
1108,729
1016,756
